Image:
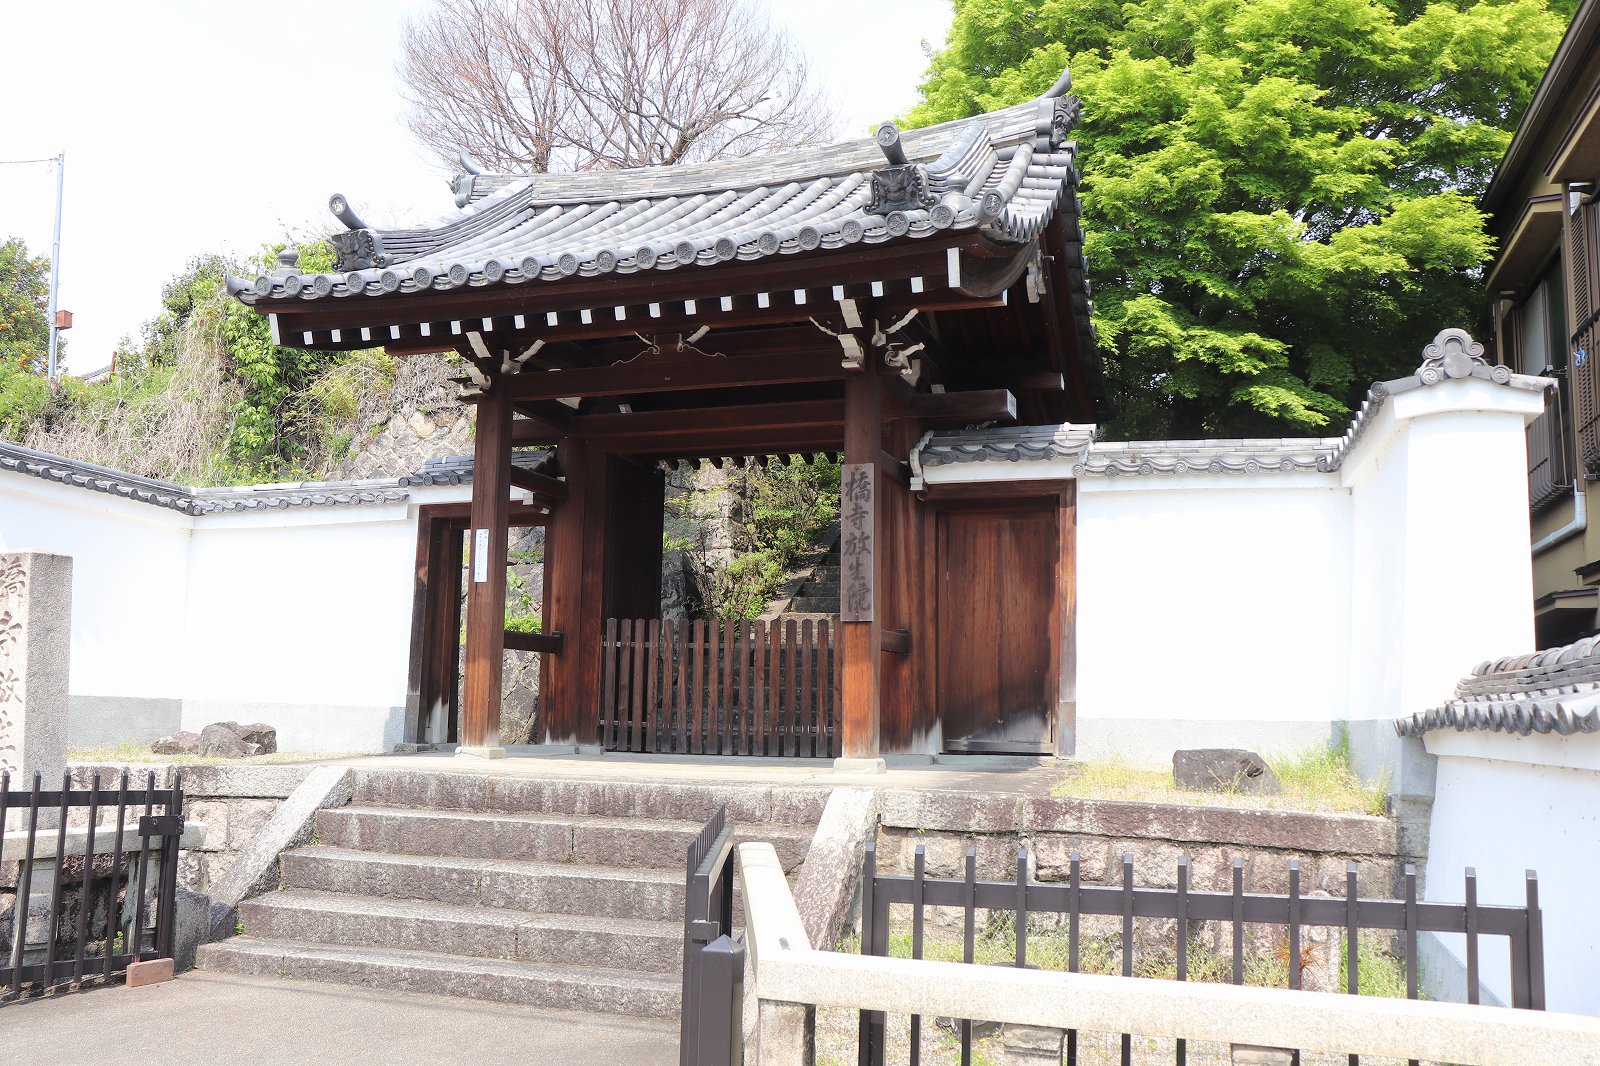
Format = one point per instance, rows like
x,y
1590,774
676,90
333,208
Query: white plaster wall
x,y
1444,578
1212,610
1275,610
1504,805
128,581
300,618
305,616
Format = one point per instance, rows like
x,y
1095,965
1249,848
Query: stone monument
x,y
35,651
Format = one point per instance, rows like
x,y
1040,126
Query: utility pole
x,y
55,265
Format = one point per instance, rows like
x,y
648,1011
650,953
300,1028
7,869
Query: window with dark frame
x,y
1538,326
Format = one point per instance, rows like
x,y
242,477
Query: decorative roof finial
x,y
1061,86
340,206
889,140
1451,354
288,261
469,164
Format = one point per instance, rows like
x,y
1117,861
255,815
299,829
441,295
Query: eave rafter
x,y
928,274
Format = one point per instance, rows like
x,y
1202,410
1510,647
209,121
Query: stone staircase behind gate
x,y
560,894
818,595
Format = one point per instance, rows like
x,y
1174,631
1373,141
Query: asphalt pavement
x,y
211,1019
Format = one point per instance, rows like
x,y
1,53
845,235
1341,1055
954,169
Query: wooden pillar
x,y
592,609
563,593
425,589
862,561
900,596
486,587
431,692
575,568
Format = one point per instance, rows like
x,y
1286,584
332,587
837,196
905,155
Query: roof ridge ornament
x,y
462,184
1454,354
357,249
1058,114
902,185
888,138
339,204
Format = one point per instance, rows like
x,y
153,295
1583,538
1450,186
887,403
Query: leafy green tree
x,y
1278,194
24,305
185,298
264,440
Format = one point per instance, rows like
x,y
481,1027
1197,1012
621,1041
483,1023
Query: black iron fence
x,y
77,903
1019,899
710,1025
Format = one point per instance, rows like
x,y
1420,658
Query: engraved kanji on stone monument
x,y
35,645
857,490
13,586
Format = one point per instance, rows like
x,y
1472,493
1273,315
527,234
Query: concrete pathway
x,y
209,1019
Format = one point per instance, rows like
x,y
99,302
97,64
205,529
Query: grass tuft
x,y
1318,779
138,753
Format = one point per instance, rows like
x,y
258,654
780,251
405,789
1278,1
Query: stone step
x,y
501,980
555,888
820,588
815,604
482,932
626,842
746,804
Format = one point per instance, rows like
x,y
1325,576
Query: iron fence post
x,y
167,888
720,1018
707,914
1535,945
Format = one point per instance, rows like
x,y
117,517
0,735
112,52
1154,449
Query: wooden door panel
x,y
996,588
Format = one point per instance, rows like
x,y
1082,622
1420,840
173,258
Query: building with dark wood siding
x,y
1544,292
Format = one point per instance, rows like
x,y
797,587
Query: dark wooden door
x,y
999,626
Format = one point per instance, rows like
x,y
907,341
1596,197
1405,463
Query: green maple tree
x,y
1279,195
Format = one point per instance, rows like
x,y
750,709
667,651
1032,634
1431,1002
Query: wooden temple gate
x,y
839,300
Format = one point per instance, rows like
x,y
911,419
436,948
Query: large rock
x,y
222,739
182,742
230,740
263,737
1223,770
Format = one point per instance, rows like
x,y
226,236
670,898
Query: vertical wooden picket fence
x,y
723,687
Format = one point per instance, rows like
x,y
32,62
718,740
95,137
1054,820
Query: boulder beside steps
x,y
560,894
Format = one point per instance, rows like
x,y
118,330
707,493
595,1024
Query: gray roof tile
x,y
1452,354
452,470
1005,174
1551,691
1012,444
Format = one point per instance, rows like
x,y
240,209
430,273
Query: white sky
x,y
196,125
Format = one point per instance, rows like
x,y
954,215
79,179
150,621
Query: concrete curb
x,y
256,868
827,884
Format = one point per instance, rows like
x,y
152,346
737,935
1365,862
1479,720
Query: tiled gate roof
x,y
1004,174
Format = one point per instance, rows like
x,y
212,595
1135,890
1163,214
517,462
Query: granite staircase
x,y
819,595
560,894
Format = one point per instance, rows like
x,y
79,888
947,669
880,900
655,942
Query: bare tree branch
x,y
564,85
